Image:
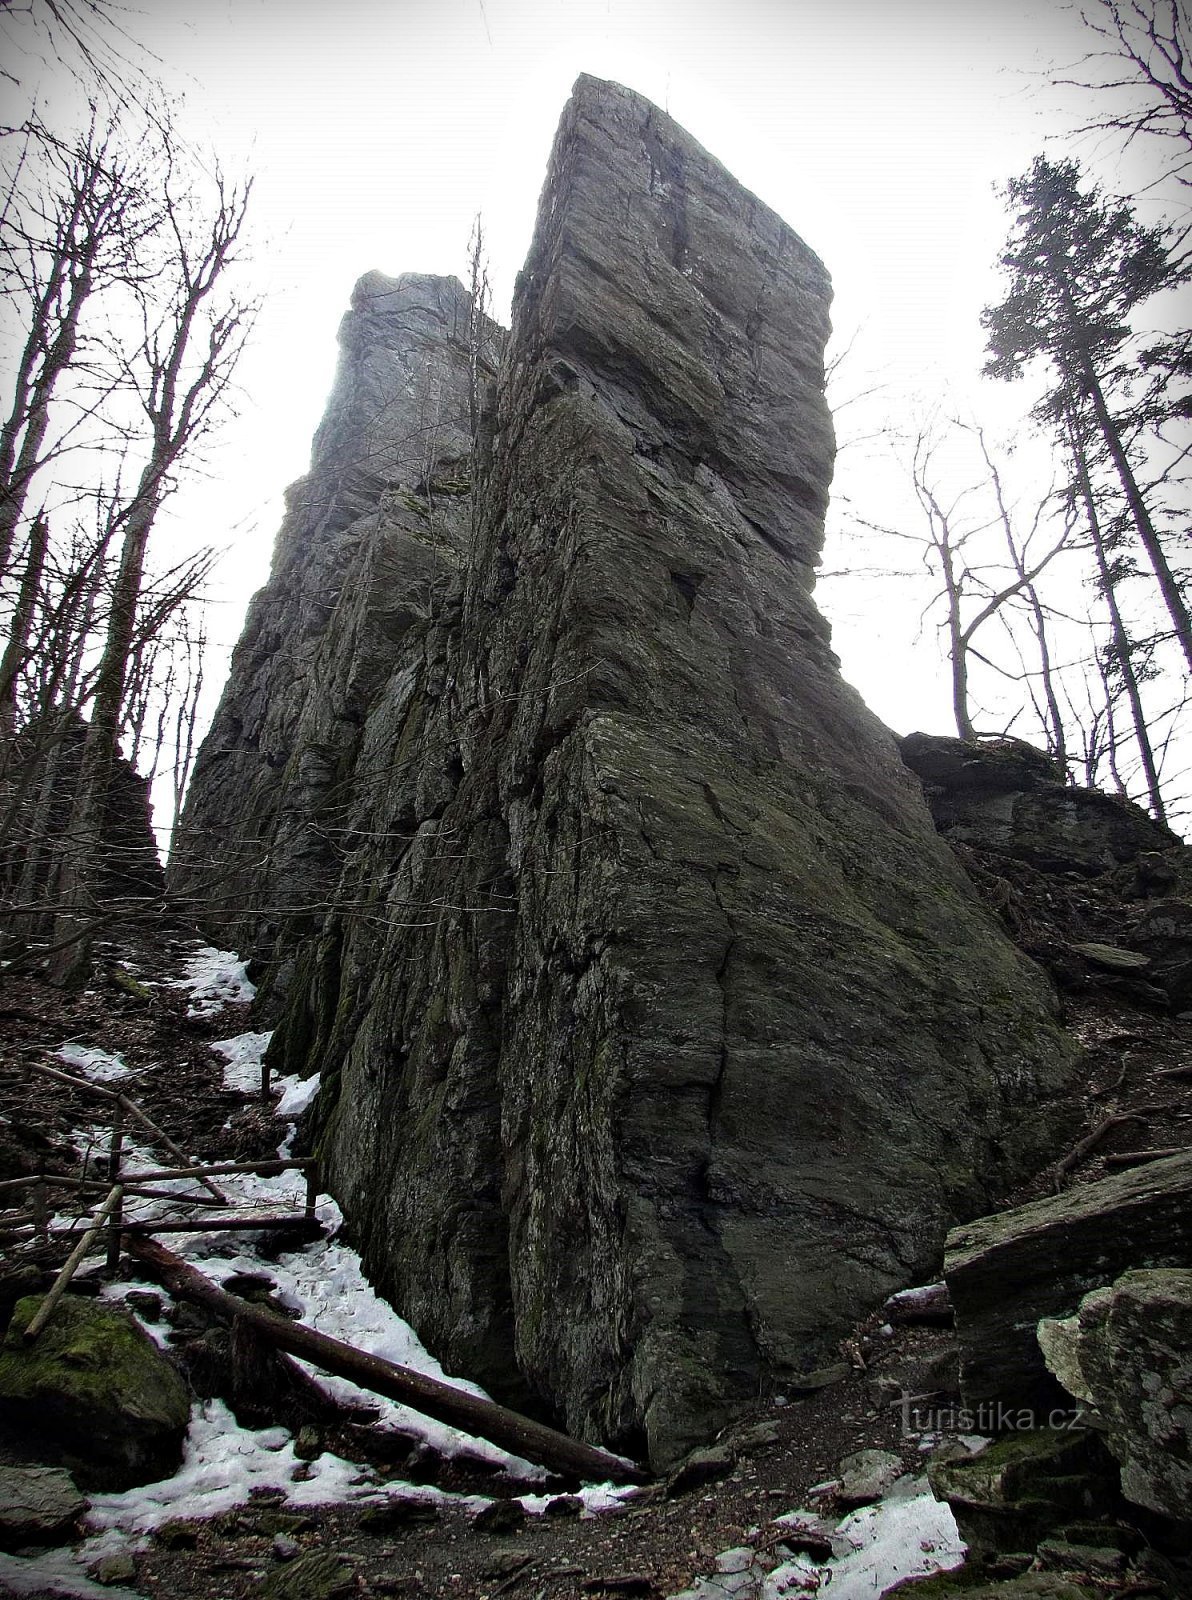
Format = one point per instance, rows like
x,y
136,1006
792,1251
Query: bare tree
x,y
1141,71
70,234
190,333
985,568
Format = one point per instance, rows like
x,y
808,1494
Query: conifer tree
x,y
1079,267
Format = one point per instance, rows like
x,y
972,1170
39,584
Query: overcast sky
x,y
375,129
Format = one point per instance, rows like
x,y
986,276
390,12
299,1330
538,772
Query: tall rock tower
x,y
660,1035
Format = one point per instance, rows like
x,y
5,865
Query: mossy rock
x,y
93,1394
1018,1490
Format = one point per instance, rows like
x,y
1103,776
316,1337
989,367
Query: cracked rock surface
x,y
661,1036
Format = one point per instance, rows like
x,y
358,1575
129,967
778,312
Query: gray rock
x,y
1128,1352
38,1505
865,1476
317,1575
661,1036
116,1567
1004,796
1009,1271
94,1394
705,1465
1163,933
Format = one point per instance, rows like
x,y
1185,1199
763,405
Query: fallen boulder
x,y
1006,1272
38,1505
1128,1353
94,1394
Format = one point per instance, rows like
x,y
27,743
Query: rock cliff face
x,y
660,1034
372,539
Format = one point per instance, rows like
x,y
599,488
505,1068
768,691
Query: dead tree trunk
x,y
468,1412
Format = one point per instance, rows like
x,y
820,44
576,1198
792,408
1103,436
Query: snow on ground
x,y
55,1573
221,1466
97,1065
910,1534
242,1059
321,1280
215,978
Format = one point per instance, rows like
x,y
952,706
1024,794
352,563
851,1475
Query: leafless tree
x,y
1141,71
179,365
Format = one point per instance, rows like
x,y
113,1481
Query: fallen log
x,y
469,1413
225,1224
1137,1158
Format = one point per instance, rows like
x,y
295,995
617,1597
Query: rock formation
x,y
660,1034
1127,1354
1005,1272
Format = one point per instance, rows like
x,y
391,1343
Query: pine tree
x,y
1079,267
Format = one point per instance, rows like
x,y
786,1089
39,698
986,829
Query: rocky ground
x,y
1135,1099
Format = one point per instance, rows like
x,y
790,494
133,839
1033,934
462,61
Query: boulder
x,y
1162,932
1128,1354
1006,1272
865,1476
92,1393
38,1505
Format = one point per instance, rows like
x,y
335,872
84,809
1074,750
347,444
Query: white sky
x,y
375,129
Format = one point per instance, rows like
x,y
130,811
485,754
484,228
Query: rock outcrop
x,y
1006,797
372,540
660,1033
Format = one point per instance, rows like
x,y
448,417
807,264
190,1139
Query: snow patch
x,y
56,1573
242,1059
215,978
910,1535
296,1094
222,1464
97,1065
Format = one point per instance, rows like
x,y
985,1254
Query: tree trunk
x,y
1121,637
1168,586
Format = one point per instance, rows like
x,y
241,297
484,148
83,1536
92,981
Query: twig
x,y
1091,1141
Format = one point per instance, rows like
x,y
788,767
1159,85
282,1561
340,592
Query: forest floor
x,y
417,1510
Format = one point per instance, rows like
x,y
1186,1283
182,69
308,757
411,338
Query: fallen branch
x,y
124,1104
46,1310
469,1413
1136,1158
264,1169
1090,1142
